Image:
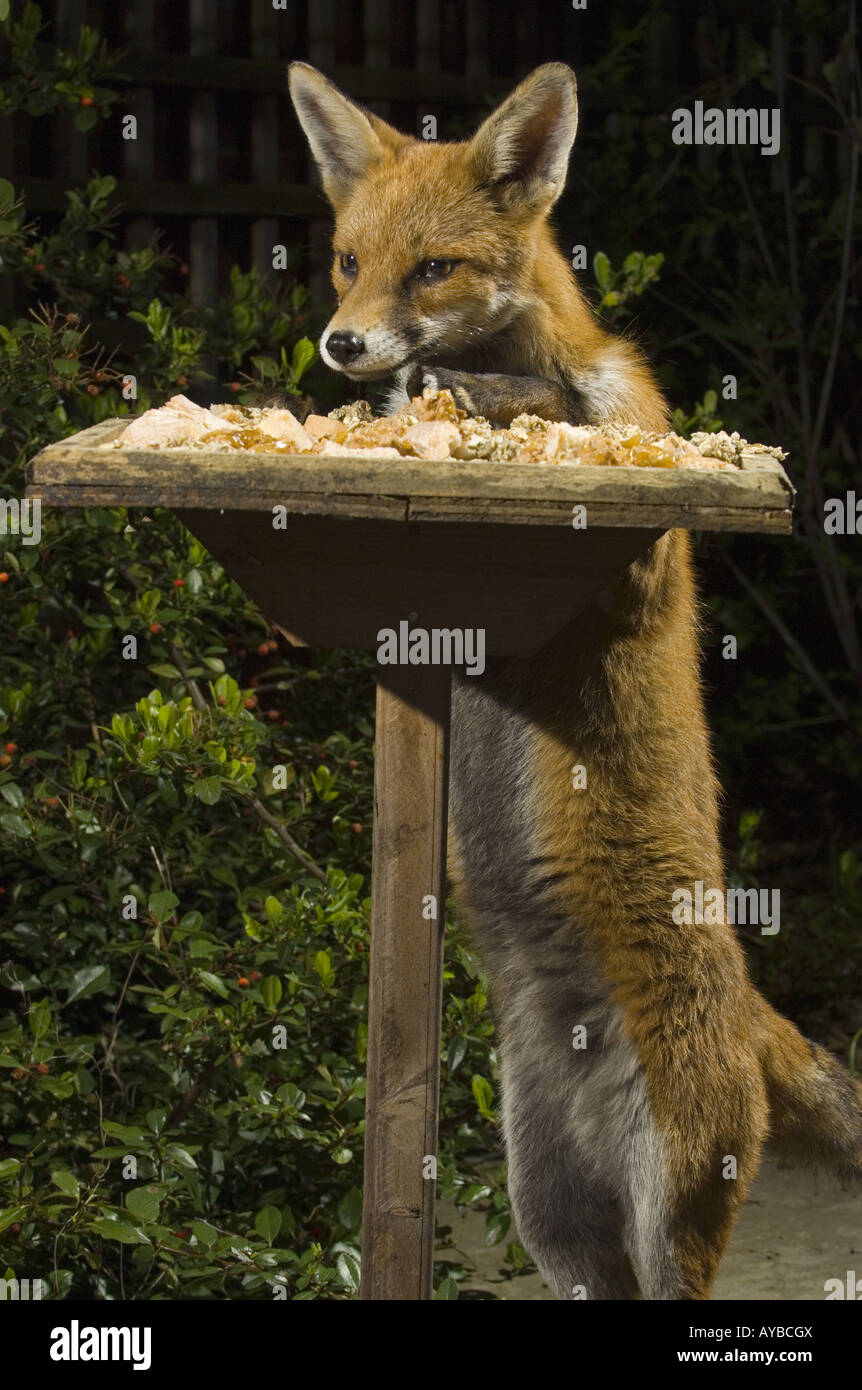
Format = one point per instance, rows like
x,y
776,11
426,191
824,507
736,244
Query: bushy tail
x,y
815,1105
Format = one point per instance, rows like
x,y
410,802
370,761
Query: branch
x,y
787,636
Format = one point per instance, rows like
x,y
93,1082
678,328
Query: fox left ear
x,y
346,141
523,147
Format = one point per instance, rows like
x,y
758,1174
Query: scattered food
x,y
430,427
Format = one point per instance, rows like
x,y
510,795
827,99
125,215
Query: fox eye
x,y
347,261
435,269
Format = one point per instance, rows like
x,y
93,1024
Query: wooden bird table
x,y
357,545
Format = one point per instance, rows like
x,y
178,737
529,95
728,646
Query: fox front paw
x,y
443,379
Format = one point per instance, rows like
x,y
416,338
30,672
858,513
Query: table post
x,y
408,885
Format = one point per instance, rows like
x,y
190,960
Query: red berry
x,y
235,386
86,101
251,702
272,714
155,628
179,583
272,644
52,801
40,265
182,381
356,828
70,632
243,982
123,280
5,760
254,976
11,748
92,390
263,649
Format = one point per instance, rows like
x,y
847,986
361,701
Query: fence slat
x,y
203,154
139,155
321,54
264,137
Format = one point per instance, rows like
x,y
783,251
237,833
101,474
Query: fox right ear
x,y
345,140
522,149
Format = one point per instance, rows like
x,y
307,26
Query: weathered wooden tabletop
x,y
80,472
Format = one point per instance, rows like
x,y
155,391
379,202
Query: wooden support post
x,y
406,980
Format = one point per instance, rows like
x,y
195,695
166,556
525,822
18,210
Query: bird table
x,y
334,550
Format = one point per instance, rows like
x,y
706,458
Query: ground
x,y
798,1229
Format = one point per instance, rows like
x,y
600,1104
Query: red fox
x,y
629,1157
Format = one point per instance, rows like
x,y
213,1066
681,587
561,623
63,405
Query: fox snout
x,y
365,354
343,347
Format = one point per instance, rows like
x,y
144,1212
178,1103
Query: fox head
x,y
433,244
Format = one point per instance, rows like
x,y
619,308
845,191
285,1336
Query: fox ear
x,y
345,140
523,147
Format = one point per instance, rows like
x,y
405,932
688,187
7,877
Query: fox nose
x,y
344,347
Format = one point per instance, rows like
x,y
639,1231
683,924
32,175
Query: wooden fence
x,y
219,163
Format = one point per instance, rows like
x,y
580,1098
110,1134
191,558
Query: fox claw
x,y
441,379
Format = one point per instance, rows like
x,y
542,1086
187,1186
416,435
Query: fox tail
x,y
815,1104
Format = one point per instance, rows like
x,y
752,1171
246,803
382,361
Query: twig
x,y
286,839
787,636
193,688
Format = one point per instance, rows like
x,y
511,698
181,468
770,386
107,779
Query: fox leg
x,y
569,1119
567,1215
500,398
687,1184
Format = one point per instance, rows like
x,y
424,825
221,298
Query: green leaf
x,y
144,1203
119,1230
267,1223
8,1167
208,790
16,825
162,904
350,1209
271,990
323,967
602,270
130,1134
86,118
455,1051
204,1233
496,1227
88,980
213,982
303,356
9,1215
7,191
483,1095
447,1288
13,794
181,1156
66,1181
348,1269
